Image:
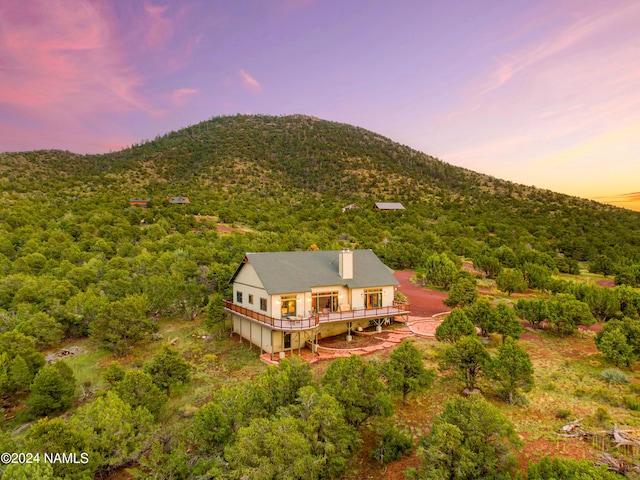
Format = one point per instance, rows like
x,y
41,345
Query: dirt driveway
x,y
424,303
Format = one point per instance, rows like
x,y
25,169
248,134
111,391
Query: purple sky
x,y
544,93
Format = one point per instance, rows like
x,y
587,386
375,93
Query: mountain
x,y
291,175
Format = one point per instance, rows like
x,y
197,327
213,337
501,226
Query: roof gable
x,y
288,272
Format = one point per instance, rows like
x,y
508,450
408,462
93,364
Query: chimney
x,y
345,264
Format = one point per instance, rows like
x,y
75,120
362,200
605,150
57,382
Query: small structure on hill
x,y
141,202
388,206
351,206
178,200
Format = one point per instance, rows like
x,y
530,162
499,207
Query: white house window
x,y
250,299
373,298
324,302
263,304
239,297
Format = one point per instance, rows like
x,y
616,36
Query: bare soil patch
x,y
424,302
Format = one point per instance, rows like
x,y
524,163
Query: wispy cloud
x,y
249,82
64,57
180,96
513,63
159,28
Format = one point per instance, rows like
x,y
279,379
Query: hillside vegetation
x,y
80,266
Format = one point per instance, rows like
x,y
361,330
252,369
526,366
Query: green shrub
x,y
632,402
614,376
393,444
602,416
563,414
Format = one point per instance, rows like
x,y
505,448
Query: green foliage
x,y
479,312
216,423
490,265
278,385
405,371
44,329
619,341
534,311
613,344
464,292
116,431
602,264
167,369
455,325
566,313
568,469
470,439
113,374
138,390
505,322
326,429
512,369
358,388
57,436
393,443
269,449
438,270
614,376
511,280
122,324
28,471
468,358
53,389
216,314
15,344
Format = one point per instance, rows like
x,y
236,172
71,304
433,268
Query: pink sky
x,y
543,93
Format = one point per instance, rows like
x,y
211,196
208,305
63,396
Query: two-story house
x,y
286,300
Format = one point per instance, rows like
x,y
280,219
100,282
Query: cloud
x,y
555,43
159,29
249,82
65,58
180,96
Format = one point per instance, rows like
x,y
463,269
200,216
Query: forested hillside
x,y
290,176
79,264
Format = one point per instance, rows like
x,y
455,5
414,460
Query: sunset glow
x,y
541,93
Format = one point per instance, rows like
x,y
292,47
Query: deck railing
x,y
290,323
312,321
361,314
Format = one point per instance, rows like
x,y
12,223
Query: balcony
x,y
313,320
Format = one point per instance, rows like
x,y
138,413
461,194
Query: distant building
x,y
351,206
141,202
178,200
388,206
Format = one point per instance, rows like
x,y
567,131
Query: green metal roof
x,y
288,272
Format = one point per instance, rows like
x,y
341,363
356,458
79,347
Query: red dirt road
x,y
424,303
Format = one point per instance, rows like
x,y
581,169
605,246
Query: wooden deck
x,y
307,323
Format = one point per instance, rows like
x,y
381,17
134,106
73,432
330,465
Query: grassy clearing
x,y
568,387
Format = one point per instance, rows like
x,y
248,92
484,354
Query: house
x,y
388,206
287,300
178,200
141,202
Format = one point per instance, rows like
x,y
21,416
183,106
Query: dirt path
x,y
424,303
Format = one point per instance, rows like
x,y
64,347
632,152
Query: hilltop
x,y
294,173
